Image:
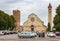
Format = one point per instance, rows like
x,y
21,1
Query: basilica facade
x,y
34,23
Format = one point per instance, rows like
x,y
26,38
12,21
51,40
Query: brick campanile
x,y
16,14
50,15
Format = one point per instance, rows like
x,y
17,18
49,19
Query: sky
x,y
26,7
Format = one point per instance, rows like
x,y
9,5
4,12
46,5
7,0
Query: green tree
x,y
2,20
48,29
6,21
56,20
11,22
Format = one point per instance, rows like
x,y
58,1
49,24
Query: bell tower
x,y
50,15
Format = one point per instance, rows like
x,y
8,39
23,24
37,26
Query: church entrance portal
x,y
32,27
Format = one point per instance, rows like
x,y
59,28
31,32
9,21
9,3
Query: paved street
x,y
14,37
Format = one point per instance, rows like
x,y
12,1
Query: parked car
x,y
35,34
41,34
57,33
26,34
1,33
6,32
51,34
13,32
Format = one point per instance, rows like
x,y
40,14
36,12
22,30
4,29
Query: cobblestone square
x,y
14,37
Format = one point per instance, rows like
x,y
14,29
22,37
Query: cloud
x,y
39,7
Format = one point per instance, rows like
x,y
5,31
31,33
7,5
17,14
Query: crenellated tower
x,y
16,14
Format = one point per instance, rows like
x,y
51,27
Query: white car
x,y
1,33
26,34
51,34
35,34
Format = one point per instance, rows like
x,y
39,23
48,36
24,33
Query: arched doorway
x,y
32,27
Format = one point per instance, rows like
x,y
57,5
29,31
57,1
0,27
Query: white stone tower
x,y
50,15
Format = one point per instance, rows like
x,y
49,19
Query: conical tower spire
x,y
49,5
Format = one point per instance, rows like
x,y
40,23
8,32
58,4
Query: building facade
x,y
34,24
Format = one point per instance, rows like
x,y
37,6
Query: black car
x,y
41,34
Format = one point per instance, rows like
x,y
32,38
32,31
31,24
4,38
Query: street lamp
x,y
54,29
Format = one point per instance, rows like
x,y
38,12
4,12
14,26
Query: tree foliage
x,y
48,29
56,20
6,22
